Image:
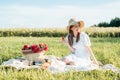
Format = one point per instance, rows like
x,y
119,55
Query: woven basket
x,y
30,55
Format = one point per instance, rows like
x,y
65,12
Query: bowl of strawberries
x,y
34,52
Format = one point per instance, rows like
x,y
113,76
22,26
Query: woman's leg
x,y
68,62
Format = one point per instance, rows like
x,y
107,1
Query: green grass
x,y
106,50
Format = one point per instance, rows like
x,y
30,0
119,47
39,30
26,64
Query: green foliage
x,y
34,32
113,23
103,24
106,50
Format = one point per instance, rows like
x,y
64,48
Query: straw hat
x,y
73,22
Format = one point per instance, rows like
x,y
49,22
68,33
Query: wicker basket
x,y
30,55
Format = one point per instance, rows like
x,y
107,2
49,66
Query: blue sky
x,y
45,3
55,13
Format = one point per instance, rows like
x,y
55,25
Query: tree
x,y
103,24
115,22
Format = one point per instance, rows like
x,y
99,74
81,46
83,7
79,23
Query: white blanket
x,y
57,66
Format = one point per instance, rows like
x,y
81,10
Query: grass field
x,y
106,50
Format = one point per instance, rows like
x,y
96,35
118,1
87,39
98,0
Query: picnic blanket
x,y
57,66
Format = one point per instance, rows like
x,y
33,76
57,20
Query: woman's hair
x,y
71,35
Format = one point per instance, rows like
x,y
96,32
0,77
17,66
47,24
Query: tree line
x,y
113,23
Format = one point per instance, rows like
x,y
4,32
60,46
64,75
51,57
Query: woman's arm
x,y
70,48
91,54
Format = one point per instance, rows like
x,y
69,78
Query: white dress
x,y
80,57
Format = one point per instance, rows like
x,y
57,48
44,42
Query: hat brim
x,y
81,23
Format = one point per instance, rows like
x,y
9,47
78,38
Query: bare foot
x,y
70,63
67,61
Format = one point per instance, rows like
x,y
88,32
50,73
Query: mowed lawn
x,y
106,50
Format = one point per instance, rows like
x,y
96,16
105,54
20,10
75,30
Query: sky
x,y
55,13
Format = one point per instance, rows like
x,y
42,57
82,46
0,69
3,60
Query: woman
x,y
79,44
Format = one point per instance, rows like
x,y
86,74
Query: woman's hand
x,y
63,40
95,62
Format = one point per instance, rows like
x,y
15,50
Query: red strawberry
x,y
63,38
33,46
46,48
36,50
25,47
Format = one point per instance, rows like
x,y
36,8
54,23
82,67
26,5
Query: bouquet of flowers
x,y
34,52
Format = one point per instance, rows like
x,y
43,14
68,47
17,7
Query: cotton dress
x,y
80,57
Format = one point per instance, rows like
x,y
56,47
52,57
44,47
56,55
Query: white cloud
x,y
56,16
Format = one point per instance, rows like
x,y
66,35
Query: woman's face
x,y
76,28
